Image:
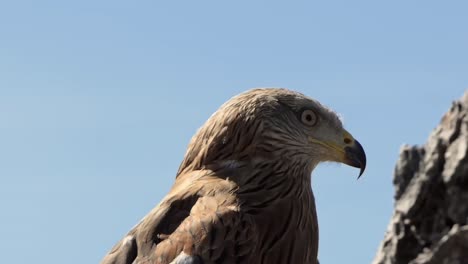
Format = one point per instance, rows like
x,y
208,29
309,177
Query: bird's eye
x,y
308,117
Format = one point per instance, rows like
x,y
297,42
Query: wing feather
x,y
189,226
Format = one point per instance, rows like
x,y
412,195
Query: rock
x,y
430,221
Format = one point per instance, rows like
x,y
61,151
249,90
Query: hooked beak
x,y
355,156
346,150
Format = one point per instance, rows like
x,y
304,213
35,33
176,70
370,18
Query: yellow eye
x,y
308,117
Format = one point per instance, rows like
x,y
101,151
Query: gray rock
x,y
430,221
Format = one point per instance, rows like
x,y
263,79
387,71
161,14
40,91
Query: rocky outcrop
x,y
430,222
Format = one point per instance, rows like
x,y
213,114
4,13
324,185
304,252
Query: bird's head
x,y
276,124
305,129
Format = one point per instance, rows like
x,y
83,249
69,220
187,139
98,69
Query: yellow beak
x,y
348,151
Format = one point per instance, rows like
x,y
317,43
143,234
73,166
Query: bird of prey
x,y
243,193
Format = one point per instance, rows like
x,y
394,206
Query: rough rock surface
x,y
430,221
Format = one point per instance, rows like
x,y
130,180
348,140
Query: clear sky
x,y
98,100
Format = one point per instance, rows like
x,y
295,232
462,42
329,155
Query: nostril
x,y
347,140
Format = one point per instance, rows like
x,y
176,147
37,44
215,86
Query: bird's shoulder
x,y
192,223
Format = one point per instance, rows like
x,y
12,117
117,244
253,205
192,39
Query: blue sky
x,y
98,100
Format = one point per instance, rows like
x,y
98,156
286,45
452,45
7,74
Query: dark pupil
x,y
308,117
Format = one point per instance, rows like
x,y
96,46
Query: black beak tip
x,y
356,157
361,172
